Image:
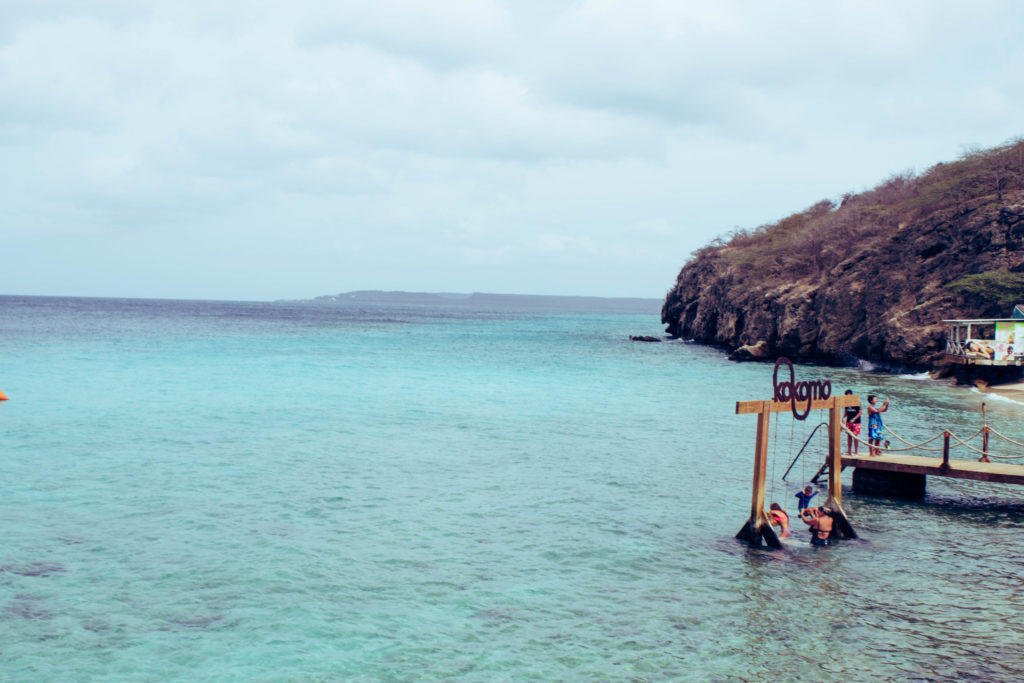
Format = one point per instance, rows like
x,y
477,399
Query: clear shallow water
x,y
226,491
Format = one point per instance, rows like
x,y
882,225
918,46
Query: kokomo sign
x,y
794,391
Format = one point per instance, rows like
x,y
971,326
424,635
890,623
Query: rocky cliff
x,y
870,278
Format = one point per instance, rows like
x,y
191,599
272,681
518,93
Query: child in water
x,y
804,497
778,517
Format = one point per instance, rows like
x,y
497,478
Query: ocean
x,y
389,491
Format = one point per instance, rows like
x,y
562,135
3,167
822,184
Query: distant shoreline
x,y
477,300
366,296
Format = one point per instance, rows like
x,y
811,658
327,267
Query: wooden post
x,y
984,436
945,450
764,423
835,471
835,454
757,527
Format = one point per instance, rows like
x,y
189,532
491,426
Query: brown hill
x,y
872,277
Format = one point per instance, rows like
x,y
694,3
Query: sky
x,y
266,150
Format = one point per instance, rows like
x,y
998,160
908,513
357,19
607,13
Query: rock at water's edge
x,y
758,351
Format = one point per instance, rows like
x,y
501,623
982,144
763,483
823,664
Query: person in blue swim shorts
x,y
876,428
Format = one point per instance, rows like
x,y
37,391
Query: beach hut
x,y
998,341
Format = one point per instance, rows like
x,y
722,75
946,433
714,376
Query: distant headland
x,y
871,277
502,302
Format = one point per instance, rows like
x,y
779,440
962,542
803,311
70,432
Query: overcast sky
x,y
263,150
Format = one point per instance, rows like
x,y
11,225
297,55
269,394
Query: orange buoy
x,y
3,396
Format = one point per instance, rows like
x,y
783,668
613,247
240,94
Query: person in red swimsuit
x,y
778,517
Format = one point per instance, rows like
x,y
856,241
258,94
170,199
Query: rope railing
x,y
951,441
919,446
955,442
1003,436
911,447
939,435
990,454
963,442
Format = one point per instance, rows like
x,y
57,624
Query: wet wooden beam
x,y
753,407
998,472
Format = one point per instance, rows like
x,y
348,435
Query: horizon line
x,y
314,298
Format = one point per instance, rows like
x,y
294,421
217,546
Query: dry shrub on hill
x,y
872,277
807,245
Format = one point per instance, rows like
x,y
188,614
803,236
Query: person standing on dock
x,y
852,420
876,429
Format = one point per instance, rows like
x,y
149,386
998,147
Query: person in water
x,y
778,517
804,498
852,419
820,522
876,429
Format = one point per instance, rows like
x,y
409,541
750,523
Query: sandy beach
x,y
1010,390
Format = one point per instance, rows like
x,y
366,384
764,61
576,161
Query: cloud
x,y
550,242
731,66
176,113
430,33
475,139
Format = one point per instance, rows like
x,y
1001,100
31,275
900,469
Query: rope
x,y
803,438
969,447
991,455
912,447
963,442
792,435
999,457
803,465
1003,436
952,436
825,444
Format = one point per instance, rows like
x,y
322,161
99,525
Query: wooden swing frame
x,y
758,529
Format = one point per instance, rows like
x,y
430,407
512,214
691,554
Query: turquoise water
x,y
226,491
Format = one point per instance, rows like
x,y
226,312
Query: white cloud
x,y
553,242
457,145
443,35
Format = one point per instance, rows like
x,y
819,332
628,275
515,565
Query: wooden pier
x,y
892,472
958,469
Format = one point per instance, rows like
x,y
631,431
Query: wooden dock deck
x,y
959,469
